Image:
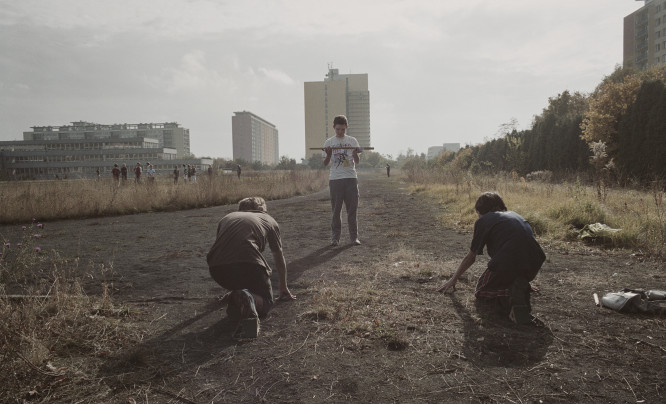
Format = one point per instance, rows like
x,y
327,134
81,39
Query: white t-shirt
x,y
342,163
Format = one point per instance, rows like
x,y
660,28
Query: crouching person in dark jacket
x,y
515,259
236,263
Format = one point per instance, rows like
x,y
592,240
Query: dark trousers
x,y
250,276
344,191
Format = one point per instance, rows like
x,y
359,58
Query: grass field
x,y
557,211
20,202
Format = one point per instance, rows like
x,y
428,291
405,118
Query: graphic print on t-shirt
x,y
340,156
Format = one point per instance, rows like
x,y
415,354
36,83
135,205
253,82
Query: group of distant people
x,y
189,173
237,264
120,173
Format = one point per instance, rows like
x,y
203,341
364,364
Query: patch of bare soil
x,y
368,325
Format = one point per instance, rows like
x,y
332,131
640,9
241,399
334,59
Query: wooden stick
x,y
343,148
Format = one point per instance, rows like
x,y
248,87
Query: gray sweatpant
x,y
345,191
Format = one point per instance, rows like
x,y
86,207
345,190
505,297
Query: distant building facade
x,y
645,36
168,134
254,138
78,151
338,94
434,151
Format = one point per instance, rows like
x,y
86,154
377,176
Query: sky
x,y
438,71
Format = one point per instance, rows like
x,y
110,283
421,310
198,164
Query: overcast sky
x,y
439,71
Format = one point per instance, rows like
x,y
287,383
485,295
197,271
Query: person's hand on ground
x,y
285,294
450,284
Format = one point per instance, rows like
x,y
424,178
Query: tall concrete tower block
x,y
338,94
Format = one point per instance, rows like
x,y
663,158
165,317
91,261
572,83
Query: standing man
x,y
123,172
388,170
176,174
137,173
116,174
151,173
236,262
342,179
238,170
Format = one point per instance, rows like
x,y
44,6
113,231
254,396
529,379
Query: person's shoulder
x,y
351,139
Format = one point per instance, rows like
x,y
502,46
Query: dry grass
x,y
20,202
371,310
54,337
559,211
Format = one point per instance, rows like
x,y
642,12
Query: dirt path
x,y
422,346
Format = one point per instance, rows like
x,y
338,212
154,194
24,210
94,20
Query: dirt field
x,y
368,325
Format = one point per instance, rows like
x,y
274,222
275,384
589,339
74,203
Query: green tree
x,y
316,162
610,101
286,163
641,139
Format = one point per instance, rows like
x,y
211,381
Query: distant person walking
x,y
176,174
193,174
238,170
123,172
185,178
116,174
137,173
388,170
97,171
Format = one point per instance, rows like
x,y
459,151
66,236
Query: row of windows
x,y
100,146
103,157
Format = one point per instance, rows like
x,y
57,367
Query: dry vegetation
x,y
558,211
20,202
367,326
55,337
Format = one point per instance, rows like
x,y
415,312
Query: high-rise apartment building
x,y
254,138
338,94
168,134
645,36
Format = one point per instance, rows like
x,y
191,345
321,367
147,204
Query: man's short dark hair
x,y
489,202
340,120
253,203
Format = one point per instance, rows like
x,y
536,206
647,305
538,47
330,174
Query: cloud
x,y
276,75
193,74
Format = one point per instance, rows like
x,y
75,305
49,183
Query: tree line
x,y
624,117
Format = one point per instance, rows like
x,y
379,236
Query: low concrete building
x,y
435,151
168,134
67,157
